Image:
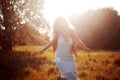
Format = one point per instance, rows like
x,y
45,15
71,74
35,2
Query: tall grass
x,y
23,64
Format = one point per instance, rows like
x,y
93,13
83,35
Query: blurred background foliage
x,y
17,17
99,29
22,23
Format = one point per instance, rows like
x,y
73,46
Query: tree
x,y
29,36
14,14
99,29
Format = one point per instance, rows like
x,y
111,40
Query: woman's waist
x,y
63,59
64,55
59,58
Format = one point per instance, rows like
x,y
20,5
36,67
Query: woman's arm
x,y
46,47
79,43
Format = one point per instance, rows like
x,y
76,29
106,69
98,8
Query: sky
x,y
54,8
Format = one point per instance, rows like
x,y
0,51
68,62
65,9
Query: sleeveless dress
x,y
65,60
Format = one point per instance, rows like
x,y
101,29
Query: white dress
x,y
65,60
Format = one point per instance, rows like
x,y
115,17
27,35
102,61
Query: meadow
x,y
25,63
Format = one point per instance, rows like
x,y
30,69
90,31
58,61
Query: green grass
x,y
27,65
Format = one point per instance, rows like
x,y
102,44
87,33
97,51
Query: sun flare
x,y
65,8
54,8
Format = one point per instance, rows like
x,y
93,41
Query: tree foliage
x,y
99,29
17,13
29,36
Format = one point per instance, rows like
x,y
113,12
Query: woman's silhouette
x,y
64,44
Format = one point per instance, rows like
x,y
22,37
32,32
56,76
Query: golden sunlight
x,y
54,8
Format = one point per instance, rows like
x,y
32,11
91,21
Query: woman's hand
x,y
42,51
87,50
46,47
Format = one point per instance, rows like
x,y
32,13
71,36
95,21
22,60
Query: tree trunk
x,y
7,37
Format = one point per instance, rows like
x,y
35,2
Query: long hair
x,y
59,25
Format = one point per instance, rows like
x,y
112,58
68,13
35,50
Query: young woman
x,y
64,44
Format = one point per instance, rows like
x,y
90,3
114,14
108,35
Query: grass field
x,y
25,63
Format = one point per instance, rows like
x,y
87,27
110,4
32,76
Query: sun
x,y
65,8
